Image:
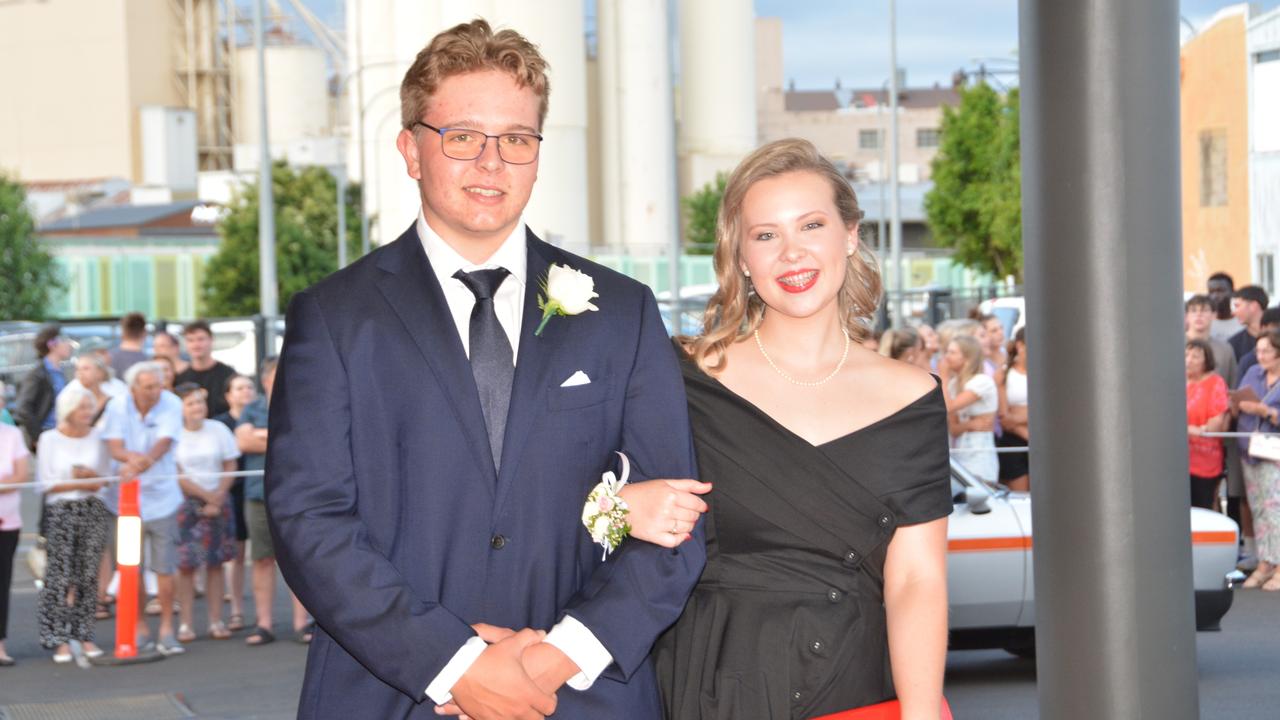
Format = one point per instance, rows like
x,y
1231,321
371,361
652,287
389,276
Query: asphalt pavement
x,y
226,679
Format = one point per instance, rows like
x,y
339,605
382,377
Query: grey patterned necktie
x,y
492,362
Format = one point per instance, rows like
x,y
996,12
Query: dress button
x,y
497,542
885,520
796,696
816,646
851,557
833,596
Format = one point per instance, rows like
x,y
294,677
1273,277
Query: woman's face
x,y
165,347
88,373
929,337
1195,362
1267,355
241,392
82,417
794,244
194,407
954,357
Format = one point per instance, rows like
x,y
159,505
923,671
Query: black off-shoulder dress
x,y
788,619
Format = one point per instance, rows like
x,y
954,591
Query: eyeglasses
x,y
464,144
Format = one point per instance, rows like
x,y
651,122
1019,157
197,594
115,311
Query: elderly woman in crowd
x,y
13,470
206,526
1257,405
972,403
93,375
239,393
71,457
1207,406
1011,382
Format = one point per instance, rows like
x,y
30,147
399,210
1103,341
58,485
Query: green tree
x,y
306,246
975,206
30,276
701,209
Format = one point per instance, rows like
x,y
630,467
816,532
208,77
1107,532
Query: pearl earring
x,y
746,273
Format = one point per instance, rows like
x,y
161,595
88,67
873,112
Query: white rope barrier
x,y
113,479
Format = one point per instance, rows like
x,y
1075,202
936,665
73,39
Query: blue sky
x,y
848,39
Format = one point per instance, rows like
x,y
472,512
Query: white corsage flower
x,y
605,513
565,291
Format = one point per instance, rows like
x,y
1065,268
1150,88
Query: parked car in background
x,y
990,573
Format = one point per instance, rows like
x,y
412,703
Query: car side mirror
x,y
978,499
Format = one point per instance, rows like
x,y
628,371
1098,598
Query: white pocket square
x,y
576,379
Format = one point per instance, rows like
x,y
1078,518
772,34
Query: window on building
x,y
1213,167
927,137
869,139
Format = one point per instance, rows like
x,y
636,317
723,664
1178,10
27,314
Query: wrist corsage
x,y
605,513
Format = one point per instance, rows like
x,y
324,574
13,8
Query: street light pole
x,y
895,215
268,300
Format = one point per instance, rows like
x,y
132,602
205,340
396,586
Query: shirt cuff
x,y
441,689
573,639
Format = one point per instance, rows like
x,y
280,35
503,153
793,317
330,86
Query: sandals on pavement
x,y
6,661
103,612
260,636
218,631
304,634
186,634
236,623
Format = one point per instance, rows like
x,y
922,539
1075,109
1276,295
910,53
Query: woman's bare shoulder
x,y
896,381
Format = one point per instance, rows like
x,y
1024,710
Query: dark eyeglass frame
x,y
483,145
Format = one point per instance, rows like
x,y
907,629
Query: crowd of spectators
x,y
183,424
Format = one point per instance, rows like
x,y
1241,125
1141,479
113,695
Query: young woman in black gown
x,y
825,586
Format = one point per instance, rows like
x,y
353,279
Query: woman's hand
x,y
663,512
1195,430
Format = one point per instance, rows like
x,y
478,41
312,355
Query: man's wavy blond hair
x,y
734,311
472,47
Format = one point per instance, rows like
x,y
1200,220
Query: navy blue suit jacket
x,y
386,509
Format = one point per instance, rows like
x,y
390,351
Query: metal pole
x,y
267,292
364,178
895,213
880,240
677,306
340,176
1100,148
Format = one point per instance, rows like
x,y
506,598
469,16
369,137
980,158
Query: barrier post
x,y
128,558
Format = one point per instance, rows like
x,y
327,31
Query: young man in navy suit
x,y
431,449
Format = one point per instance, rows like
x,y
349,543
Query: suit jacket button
x,y
885,520
833,596
816,646
497,542
851,558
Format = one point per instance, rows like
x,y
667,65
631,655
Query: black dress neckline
x,y
783,429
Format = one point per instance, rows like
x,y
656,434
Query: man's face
x,y
59,350
1220,293
199,344
146,390
1245,311
473,204
1199,318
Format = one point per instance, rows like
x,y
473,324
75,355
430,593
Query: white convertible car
x,y
989,568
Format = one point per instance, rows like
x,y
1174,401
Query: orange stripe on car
x,y
988,544
1220,537
996,544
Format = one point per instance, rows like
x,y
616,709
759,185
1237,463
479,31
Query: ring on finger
x,y
674,524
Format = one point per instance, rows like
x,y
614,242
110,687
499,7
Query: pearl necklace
x,y
802,383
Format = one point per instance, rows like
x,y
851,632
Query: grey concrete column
x,y
1101,223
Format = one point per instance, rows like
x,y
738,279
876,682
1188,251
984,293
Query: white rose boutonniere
x,y
565,291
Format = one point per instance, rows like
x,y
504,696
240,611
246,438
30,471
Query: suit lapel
x,y
410,287
533,362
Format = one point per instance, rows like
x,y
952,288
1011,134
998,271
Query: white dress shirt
x,y
569,636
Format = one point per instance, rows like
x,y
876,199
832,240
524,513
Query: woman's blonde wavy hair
x,y
735,311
